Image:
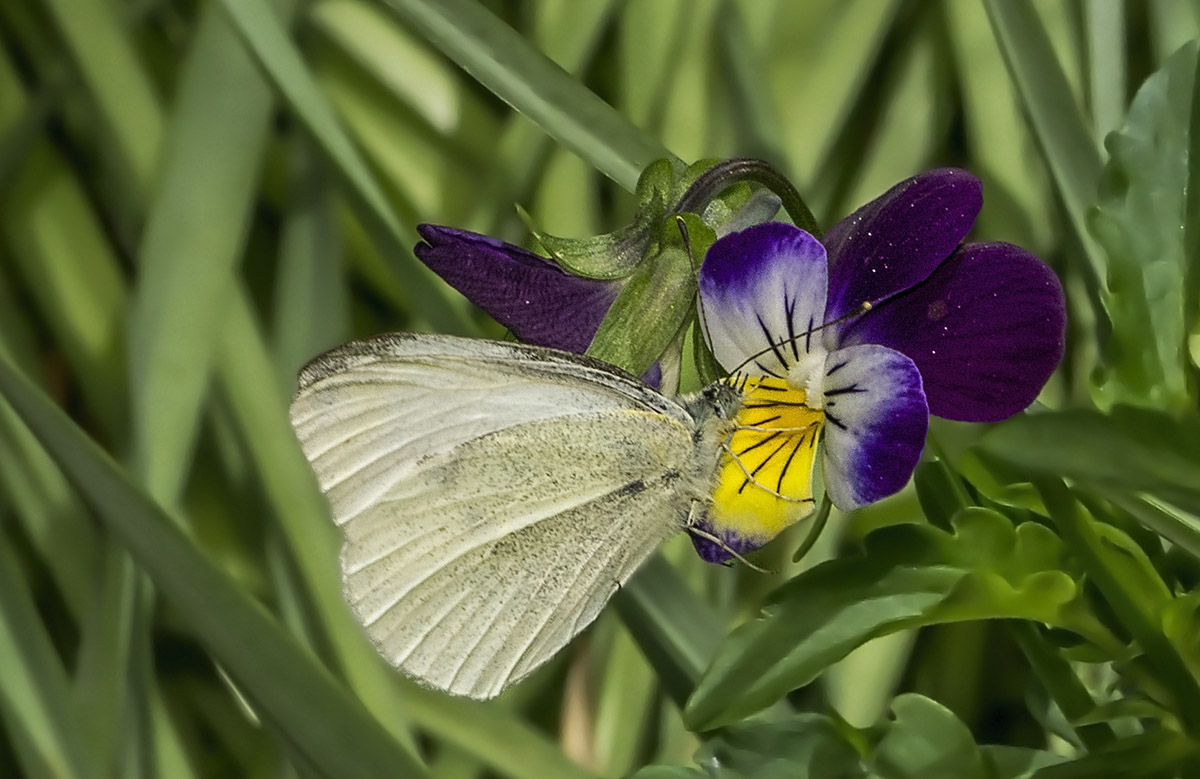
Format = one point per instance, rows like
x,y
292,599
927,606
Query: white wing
x,y
492,495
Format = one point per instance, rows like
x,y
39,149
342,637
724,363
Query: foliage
x,y
195,198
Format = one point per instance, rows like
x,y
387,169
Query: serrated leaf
x,y
1139,223
909,576
926,741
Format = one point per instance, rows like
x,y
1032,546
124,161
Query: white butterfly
x,y
494,495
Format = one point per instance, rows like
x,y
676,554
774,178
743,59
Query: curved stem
x,y
724,174
814,532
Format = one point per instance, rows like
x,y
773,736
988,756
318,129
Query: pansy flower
x,y
854,341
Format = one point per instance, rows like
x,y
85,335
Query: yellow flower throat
x,y
764,480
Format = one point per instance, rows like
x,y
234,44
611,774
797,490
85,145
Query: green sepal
x,y
615,255
657,300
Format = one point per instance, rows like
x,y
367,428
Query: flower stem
x,y
1060,681
814,531
724,174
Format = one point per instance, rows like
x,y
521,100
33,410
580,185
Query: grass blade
x,y
1059,125
503,61
34,693
317,717
97,40
282,63
194,235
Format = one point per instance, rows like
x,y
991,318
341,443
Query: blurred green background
x,y
197,197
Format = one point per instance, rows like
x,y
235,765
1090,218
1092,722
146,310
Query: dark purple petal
x,y
761,289
875,424
897,240
530,295
986,331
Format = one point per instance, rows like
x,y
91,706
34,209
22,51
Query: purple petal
x,y
876,419
761,289
896,241
986,331
712,552
530,295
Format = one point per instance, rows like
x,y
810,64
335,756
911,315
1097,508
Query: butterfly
x,y
493,496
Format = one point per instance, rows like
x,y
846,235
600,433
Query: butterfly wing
x,y
492,495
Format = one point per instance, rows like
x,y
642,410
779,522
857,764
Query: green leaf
x,y
1006,762
926,741
1149,755
909,576
1091,543
1181,624
939,491
503,61
1141,208
316,715
1128,449
804,746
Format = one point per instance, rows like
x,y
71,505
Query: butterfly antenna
x,y
710,537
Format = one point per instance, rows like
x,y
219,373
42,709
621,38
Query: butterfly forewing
x,y
492,495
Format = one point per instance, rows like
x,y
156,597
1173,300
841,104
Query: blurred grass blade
x,y
676,630
311,300
35,697
495,736
1067,145
817,80
1172,24
51,517
102,671
625,706
756,120
523,151
96,38
523,77
315,715
249,386
195,232
63,256
1104,48
280,59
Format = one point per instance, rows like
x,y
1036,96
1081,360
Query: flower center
x,y
764,481
808,374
